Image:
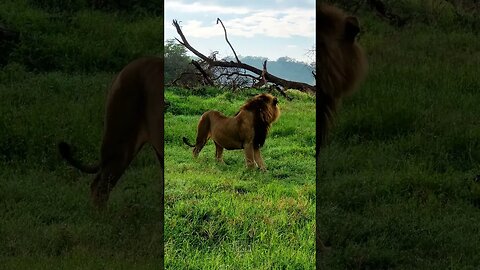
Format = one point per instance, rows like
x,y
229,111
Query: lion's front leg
x,y
259,159
249,155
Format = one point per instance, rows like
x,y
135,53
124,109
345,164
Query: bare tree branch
x,y
231,47
183,74
286,84
261,80
264,71
281,91
204,74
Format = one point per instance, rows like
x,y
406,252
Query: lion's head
x,y
266,111
342,63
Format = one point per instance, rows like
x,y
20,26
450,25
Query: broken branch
x,y
286,84
231,47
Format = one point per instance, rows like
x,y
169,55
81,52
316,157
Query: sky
x,y
267,28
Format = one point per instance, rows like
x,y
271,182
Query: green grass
x,y
48,221
225,216
82,41
216,214
46,218
397,188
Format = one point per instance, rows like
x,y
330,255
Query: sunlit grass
x,y
224,216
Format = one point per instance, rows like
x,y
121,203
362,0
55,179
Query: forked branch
x,y
226,38
263,74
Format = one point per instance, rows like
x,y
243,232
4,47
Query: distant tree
x,y
176,60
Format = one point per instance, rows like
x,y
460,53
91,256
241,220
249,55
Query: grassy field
x,y
54,89
47,221
397,182
216,215
398,187
224,216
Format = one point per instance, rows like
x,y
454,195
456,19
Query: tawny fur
x,y
133,117
247,130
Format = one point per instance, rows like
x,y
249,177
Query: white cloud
x,y
271,23
194,28
254,27
197,7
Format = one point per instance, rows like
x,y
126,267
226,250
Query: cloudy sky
x,y
269,28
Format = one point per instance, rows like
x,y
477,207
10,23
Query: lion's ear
x,y
352,28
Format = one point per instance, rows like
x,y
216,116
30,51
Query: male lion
x,y
134,116
341,63
341,66
247,130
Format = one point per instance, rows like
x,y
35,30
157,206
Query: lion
x,y
247,130
341,63
133,117
341,67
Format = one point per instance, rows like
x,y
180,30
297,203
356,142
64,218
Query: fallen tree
x,y
236,72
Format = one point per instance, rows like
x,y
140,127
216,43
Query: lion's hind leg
x,y
203,134
219,153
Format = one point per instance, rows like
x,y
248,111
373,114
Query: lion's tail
x,y
185,140
66,153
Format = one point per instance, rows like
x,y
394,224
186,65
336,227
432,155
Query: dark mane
x,y
341,64
258,105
